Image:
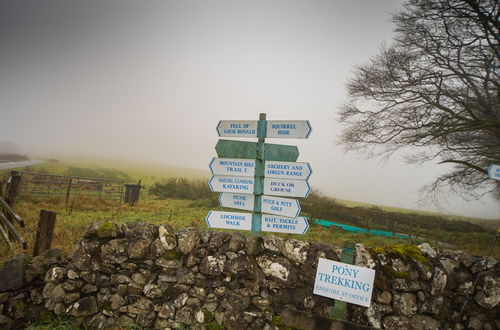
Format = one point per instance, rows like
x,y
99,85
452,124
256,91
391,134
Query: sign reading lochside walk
x,y
251,176
340,281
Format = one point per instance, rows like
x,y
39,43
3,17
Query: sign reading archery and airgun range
x,y
252,176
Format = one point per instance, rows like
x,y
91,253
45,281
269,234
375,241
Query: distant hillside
x,y
12,157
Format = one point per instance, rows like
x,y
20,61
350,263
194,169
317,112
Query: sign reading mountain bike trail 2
x,y
252,176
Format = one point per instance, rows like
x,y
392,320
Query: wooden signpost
x,y
250,176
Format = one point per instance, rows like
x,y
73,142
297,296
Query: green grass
x,y
179,210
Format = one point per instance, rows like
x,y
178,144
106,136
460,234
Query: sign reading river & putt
x,y
345,282
245,171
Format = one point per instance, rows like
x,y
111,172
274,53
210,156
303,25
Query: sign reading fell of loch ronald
x,y
288,129
229,220
340,281
232,166
237,128
233,184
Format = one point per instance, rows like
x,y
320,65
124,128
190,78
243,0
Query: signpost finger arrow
x,y
233,166
234,184
229,220
289,129
284,187
280,224
287,170
269,204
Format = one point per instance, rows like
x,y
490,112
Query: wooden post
x,y
14,185
68,191
132,192
348,254
45,232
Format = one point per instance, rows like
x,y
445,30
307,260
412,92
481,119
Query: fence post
x,y
347,257
45,232
68,191
13,187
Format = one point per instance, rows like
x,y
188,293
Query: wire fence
x,y
52,185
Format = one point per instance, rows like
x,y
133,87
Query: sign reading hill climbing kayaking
x,y
251,175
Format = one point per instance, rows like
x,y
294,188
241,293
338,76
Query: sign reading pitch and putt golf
x,y
252,175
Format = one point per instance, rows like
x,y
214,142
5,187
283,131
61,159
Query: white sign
x,y
284,187
237,201
232,166
235,184
280,206
229,220
279,224
344,282
494,172
287,170
292,129
237,128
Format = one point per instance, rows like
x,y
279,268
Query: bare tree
x,y
435,92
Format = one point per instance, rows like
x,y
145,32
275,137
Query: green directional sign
x,y
243,149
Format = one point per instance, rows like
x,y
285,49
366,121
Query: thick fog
x,y
149,81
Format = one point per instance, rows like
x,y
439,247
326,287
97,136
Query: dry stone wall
x,y
140,274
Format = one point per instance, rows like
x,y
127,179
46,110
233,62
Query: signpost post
x,y
250,176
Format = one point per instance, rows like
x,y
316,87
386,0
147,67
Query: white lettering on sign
x,y
287,170
293,129
344,282
237,128
233,166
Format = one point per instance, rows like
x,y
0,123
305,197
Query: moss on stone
x,y
172,255
170,291
214,325
106,229
20,305
402,251
207,315
278,323
391,273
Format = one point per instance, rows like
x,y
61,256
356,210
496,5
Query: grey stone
x,y
489,296
449,265
138,279
6,322
12,274
237,242
89,288
427,250
170,264
384,297
112,250
237,301
167,311
137,230
295,250
91,230
396,322
375,312
181,300
71,297
187,240
116,301
185,276
152,291
185,315
438,282
405,285
212,265
218,240
273,243
484,264
166,234
137,249
84,307
274,266
254,245
424,322
405,304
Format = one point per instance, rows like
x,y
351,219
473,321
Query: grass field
x,y
72,219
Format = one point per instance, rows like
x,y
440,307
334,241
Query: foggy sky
x,y
149,80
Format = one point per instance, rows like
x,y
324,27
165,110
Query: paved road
x,y
9,165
